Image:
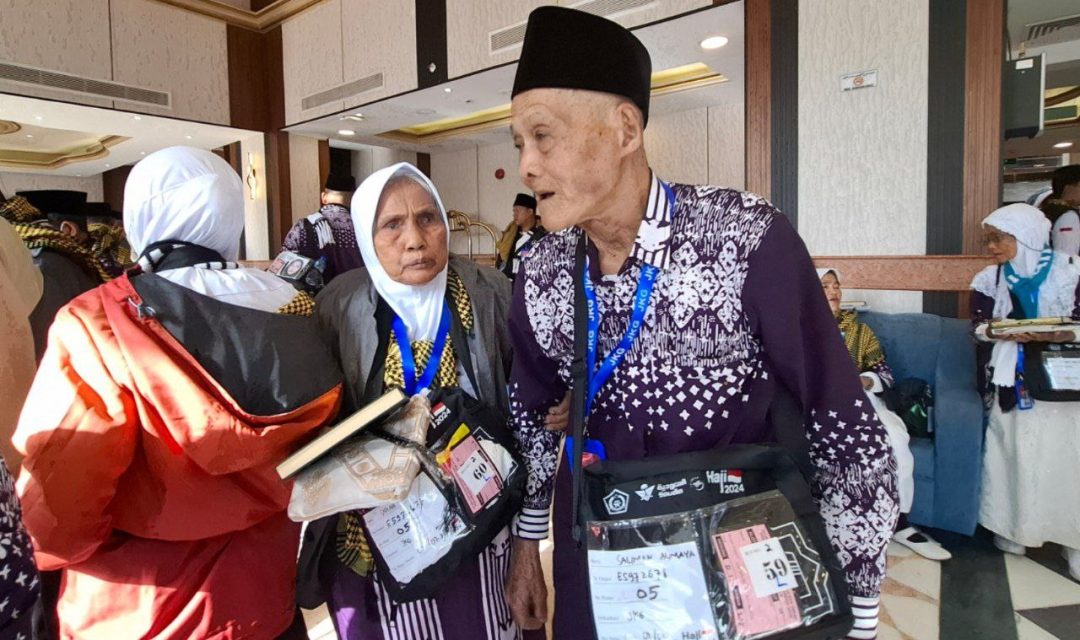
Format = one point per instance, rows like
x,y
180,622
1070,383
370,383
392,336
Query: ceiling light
x,y
1063,145
448,89
425,112
346,132
1039,166
136,117
142,153
187,137
29,135
39,118
107,165
715,42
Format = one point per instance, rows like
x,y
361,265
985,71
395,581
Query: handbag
x,y
471,483
724,543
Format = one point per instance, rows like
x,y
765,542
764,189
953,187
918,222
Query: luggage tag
x,y
594,451
760,581
472,469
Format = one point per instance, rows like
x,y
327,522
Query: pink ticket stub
x,y
475,474
756,608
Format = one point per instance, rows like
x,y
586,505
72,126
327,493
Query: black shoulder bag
x,y
457,462
724,543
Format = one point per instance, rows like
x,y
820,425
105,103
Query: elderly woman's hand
x,y
558,416
526,590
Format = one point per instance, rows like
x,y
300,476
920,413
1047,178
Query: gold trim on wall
x,y
54,160
7,126
263,20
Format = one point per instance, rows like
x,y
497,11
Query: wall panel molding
x,y
758,69
982,115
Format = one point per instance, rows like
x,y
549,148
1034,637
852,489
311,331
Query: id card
x,y
415,533
650,592
760,581
472,469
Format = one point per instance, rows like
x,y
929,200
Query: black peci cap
x,y
525,200
571,49
340,183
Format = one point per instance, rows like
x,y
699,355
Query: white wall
x,y
12,182
304,175
140,42
862,154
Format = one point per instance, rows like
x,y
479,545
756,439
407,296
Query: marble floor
x,y
980,594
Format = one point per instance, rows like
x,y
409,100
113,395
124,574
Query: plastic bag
x,y
741,570
367,471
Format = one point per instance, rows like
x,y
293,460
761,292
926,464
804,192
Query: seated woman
x,y
1030,471
402,231
164,402
876,376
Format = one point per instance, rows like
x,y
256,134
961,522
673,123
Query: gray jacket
x,y
345,311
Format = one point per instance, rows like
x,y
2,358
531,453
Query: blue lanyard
x,y
597,378
646,281
408,363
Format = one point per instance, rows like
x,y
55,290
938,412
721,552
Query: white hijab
x,y
1030,227
192,195
419,307
188,194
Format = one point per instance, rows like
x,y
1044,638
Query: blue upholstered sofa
x,y
948,469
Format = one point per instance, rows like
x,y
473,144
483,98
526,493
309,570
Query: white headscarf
x,y
192,195
821,273
420,306
1030,227
188,194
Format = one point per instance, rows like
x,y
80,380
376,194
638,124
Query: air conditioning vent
x,y
84,86
510,37
1042,29
341,92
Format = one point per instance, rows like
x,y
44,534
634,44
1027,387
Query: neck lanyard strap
x,y
408,363
597,378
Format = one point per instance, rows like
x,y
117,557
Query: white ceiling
x,y
147,133
671,43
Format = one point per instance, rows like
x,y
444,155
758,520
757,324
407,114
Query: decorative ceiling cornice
x,y
54,160
263,20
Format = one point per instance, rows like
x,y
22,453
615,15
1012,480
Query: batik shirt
x,y
736,310
328,234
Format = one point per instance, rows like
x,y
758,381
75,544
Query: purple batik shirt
x,y
330,234
736,310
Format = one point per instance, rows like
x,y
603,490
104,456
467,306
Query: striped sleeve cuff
x,y
865,611
531,524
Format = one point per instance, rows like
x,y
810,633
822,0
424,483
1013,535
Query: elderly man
x,y
723,295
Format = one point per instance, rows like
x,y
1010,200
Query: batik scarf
x,y
862,344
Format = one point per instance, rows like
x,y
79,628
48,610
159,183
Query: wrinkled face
x,y
568,151
410,234
833,293
999,244
524,216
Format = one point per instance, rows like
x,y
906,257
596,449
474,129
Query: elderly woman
x,y
1030,470
876,377
164,402
408,276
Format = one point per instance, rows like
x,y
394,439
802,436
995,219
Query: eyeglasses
x,y
995,238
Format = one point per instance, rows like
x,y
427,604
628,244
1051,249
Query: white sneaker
x,y
1008,546
1073,556
926,547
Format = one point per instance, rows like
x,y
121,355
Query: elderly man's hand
x,y
526,591
558,417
